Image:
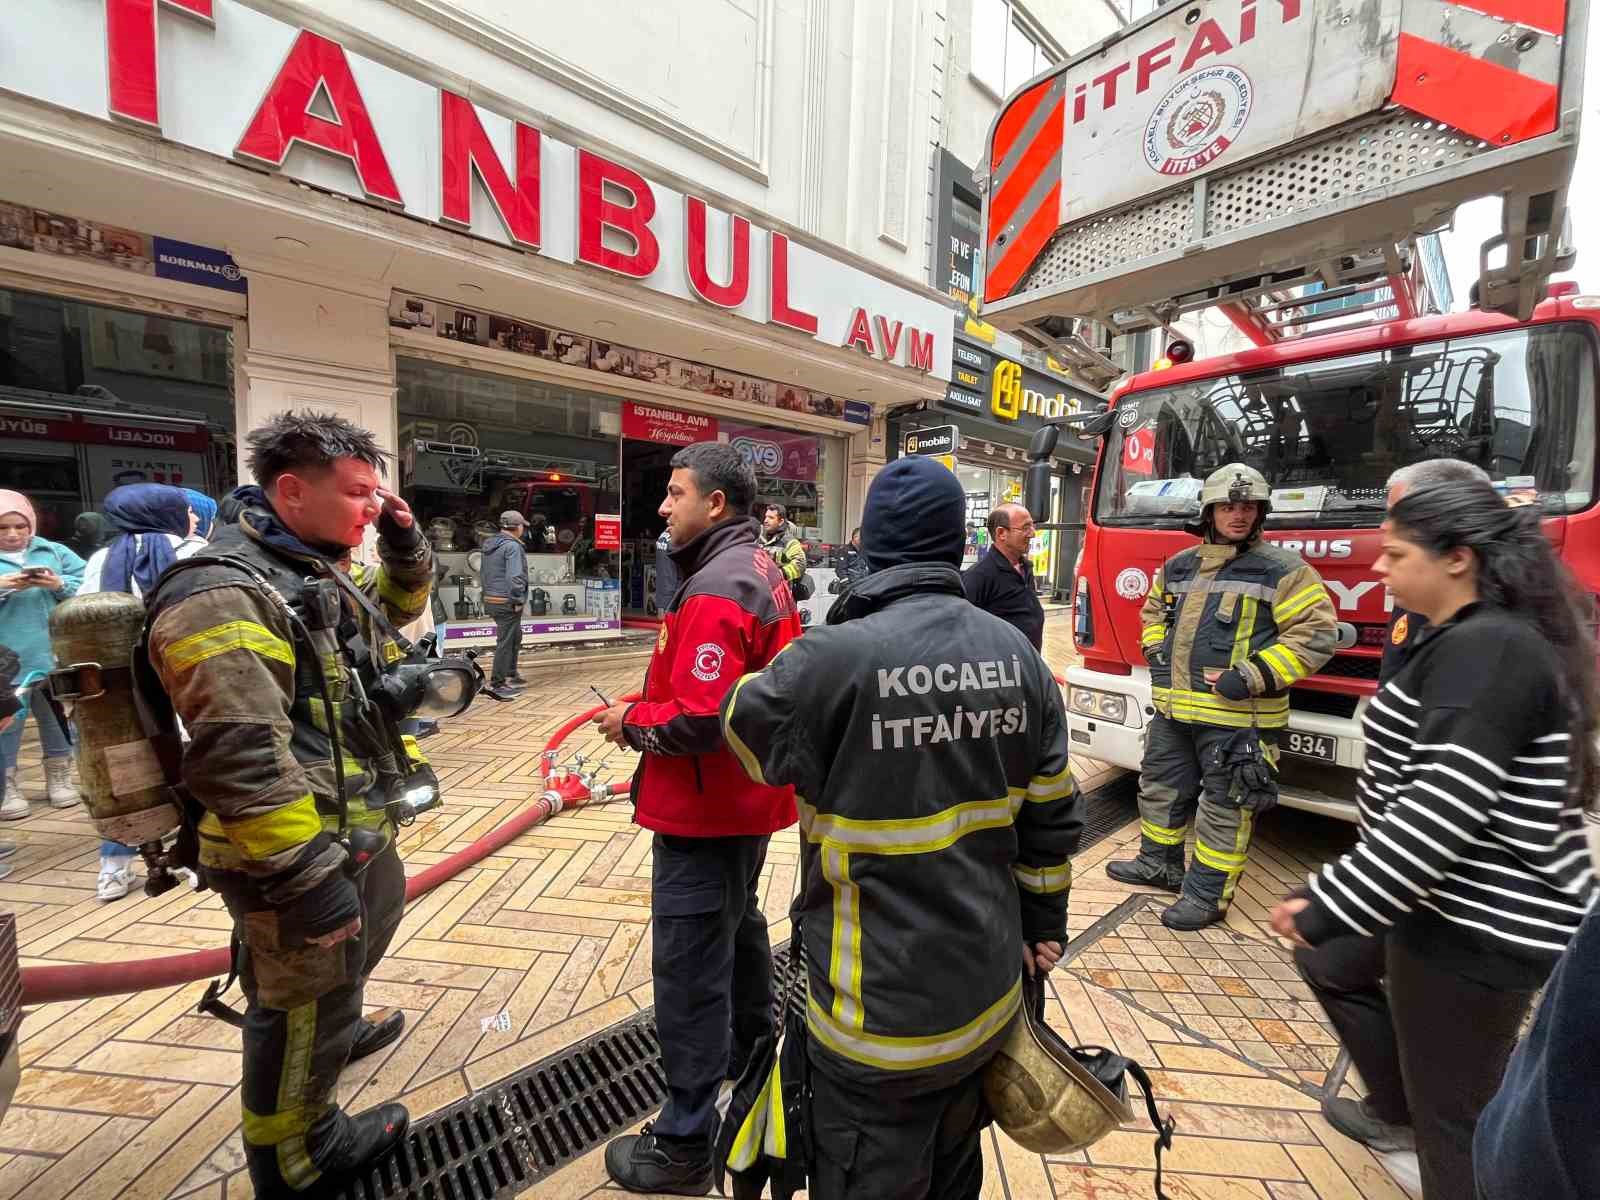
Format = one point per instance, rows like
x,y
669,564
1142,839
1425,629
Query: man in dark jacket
x,y
927,745
1001,582
666,574
505,593
712,961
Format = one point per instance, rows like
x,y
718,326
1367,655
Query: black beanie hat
x,y
916,513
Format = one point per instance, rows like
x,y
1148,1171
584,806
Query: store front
x,y
993,407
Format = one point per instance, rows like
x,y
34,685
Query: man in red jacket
x,y
712,959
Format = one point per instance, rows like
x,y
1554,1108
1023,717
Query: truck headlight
x,y
1108,706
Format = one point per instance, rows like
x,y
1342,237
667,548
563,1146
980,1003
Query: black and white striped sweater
x,y
1466,812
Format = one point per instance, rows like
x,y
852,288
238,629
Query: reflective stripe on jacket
x,y
927,745
1257,607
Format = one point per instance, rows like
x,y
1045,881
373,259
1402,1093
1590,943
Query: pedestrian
x,y
89,533
782,541
1536,1137
35,576
667,579
927,746
152,526
712,963
1406,627
1473,859
204,509
247,683
505,595
10,706
1346,973
852,568
1227,627
1001,582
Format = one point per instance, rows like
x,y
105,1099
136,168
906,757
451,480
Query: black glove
x,y
1231,685
327,906
1156,656
1252,784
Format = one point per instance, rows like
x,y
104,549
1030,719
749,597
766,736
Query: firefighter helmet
x,y
1234,484
1043,1097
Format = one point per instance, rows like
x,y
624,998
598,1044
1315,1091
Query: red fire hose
x,y
82,981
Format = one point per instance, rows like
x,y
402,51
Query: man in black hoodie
x,y
505,593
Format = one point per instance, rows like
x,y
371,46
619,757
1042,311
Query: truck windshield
x,y
1328,434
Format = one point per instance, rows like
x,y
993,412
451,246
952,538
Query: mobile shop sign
x,y
668,426
943,439
228,80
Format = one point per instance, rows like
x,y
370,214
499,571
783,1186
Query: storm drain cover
x,y
505,1138
1233,993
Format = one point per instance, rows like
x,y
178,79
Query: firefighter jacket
x,y
927,745
787,550
1255,607
731,614
249,691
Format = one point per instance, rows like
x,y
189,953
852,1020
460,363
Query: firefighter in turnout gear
x,y
313,911
1228,626
927,745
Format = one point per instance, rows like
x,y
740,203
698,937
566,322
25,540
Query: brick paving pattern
x,y
135,1097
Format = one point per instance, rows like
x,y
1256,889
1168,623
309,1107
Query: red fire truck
x,y
1277,161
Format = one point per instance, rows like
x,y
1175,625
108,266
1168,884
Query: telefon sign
x,y
242,84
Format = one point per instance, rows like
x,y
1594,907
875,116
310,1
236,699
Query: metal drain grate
x,y
504,1139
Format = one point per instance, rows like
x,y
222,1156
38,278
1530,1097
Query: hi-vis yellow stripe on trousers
x,y
913,1053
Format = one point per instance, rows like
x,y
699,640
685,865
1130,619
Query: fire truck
x,y
1277,161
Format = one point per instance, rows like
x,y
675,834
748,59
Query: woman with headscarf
x,y
35,576
151,523
204,509
89,533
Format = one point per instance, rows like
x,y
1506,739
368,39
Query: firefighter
x,y
927,745
1228,626
253,695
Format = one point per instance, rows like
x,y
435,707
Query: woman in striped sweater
x,y
1473,859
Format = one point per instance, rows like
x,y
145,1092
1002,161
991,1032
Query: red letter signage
x,y
733,293
780,311
597,213
464,149
919,350
860,335
131,55
285,117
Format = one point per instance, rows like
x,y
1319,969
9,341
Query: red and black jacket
x,y
730,616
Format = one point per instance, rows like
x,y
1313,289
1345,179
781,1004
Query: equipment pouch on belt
x,y
1251,782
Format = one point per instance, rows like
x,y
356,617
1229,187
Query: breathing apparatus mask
x,y
429,687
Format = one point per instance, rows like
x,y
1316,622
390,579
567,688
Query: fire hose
x,y
563,789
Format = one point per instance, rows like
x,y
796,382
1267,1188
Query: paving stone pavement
x,y
136,1098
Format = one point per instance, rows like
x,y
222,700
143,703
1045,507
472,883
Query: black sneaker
x,y
643,1162
1142,873
1355,1119
1189,914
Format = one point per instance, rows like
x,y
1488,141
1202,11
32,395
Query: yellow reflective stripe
x,y
392,593
776,1139
414,754
274,832
1220,860
747,760
1152,634
1301,600
300,1035
1263,705
752,1130
1241,844
1246,630
910,835
913,1053
1284,662
844,960
189,652
1042,789
1164,834
271,1128
1043,881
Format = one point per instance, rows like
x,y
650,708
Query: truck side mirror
x,y
1036,486
1044,442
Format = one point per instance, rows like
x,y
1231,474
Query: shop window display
x,y
474,445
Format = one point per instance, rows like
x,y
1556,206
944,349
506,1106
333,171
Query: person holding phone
x,y
35,575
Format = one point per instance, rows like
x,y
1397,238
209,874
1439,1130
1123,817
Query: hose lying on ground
x,y
83,981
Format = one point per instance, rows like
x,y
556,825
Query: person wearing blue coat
x,y
35,576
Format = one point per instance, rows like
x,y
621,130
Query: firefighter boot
x,y
59,787
643,1162
1189,914
1159,868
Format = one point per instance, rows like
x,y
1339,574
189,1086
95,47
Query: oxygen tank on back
x,y
125,787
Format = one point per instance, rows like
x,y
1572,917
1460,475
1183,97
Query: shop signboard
x,y
112,467
608,531
456,635
128,437
941,440
44,232
776,455
243,83
667,426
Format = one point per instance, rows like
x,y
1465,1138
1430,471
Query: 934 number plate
x,y
1310,745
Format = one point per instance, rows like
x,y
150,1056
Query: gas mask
x,y
430,688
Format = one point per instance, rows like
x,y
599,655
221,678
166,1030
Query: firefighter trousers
x,y
303,1008
1177,784
876,1144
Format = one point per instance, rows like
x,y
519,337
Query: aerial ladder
x,y
1268,157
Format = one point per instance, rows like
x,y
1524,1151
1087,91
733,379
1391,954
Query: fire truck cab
x,y
1264,159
